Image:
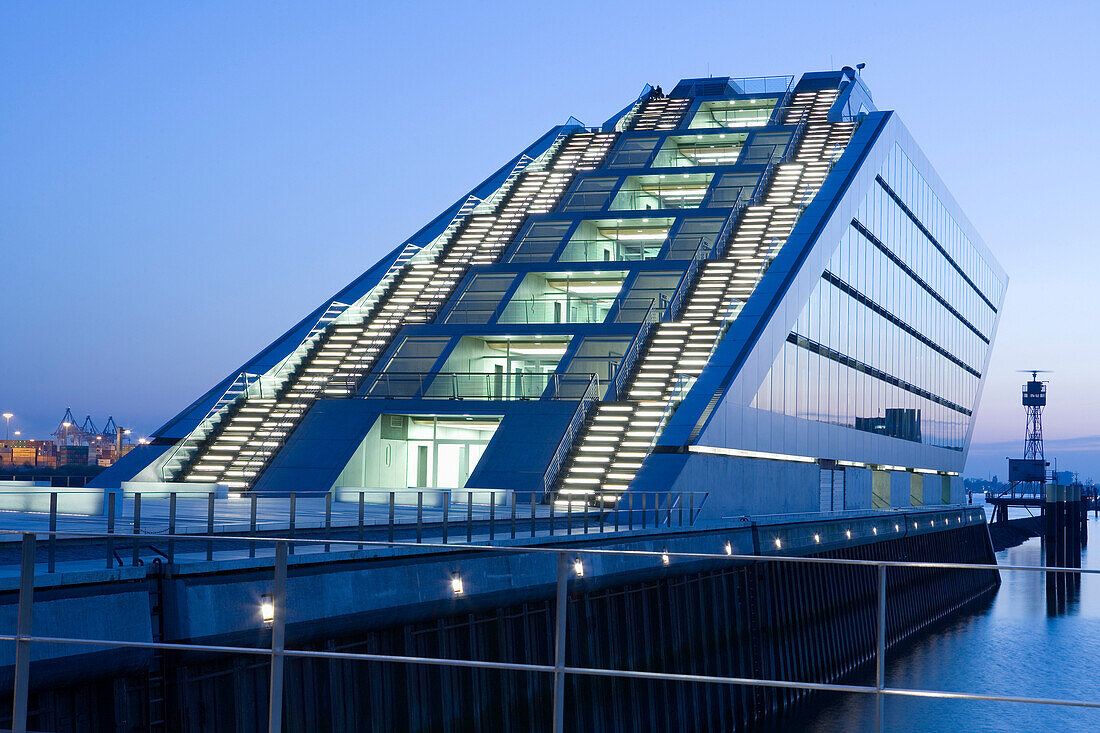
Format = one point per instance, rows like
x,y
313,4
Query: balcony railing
x,y
474,386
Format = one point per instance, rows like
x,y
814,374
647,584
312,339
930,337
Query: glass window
x,y
766,147
591,194
692,236
672,191
506,367
564,297
649,289
733,188
633,152
539,242
733,113
599,355
416,354
693,150
614,240
480,299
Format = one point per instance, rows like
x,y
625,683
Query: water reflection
x,y
1015,645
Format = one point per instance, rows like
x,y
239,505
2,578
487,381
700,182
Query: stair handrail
x,y
630,356
330,314
627,120
680,386
589,397
239,386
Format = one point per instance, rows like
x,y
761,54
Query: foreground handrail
x,y
567,560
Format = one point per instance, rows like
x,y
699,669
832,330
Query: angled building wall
x,y
748,287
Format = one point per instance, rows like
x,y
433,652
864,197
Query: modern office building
x,y
758,288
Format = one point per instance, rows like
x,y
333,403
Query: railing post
x,y
668,509
562,599
630,511
492,516
680,508
293,512
328,518
110,530
533,514
278,637
52,554
691,511
392,498
419,517
172,528
23,629
880,651
469,516
137,528
618,503
361,501
513,515
644,518
210,525
446,513
252,524
569,516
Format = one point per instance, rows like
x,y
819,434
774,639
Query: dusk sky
x,y
180,182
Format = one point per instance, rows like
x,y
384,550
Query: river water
x,y
1014,645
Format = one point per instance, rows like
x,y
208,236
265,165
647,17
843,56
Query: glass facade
x,y
893,338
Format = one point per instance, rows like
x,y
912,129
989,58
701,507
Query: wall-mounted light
x,y
778,543
817,538
267,609
914,525
874,530
848,533
578,567
897,528
664,558
728,548
456,583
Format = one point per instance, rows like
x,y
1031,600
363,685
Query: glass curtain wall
x,y
893,339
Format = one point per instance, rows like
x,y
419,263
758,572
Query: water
x,y
1013,646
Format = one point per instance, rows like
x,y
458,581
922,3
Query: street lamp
x,y
7,423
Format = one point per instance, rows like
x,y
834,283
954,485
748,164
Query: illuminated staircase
x,y
620,434
253,420
661,113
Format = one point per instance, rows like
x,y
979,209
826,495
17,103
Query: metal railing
x,y
48,479
186,448
473,386
633,352
764,84
139,527
576,422
568,560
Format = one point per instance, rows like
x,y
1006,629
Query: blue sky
x,y
181,181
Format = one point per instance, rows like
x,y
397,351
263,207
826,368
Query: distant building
x,y
750,288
